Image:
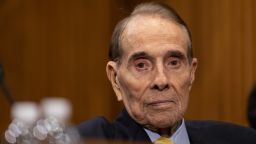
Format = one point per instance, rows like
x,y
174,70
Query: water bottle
x,y
24,115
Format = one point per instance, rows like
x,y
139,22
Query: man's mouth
x,y
161,104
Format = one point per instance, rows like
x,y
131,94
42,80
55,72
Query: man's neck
x,y
166,132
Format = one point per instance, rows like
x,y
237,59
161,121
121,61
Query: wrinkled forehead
x,y
149,24
142,29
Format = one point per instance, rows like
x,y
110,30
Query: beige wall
x,y
59,48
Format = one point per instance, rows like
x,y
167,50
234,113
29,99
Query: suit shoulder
x,y
122,128
209,124
215,130
98,127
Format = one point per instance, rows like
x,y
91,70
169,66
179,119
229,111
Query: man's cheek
x,y
182,80
135,86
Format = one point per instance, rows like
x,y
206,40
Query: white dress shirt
x,y
179,137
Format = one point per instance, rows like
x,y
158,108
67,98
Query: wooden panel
x,y
59,48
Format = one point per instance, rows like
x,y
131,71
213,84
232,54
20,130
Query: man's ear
x,y
111,70
193,70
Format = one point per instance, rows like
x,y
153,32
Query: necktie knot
x,y
163,140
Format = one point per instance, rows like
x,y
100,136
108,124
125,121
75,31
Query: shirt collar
x,y
179,137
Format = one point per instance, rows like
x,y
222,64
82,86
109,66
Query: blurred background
x,y
59,48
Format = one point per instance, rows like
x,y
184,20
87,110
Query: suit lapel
x,y
194,133
127,128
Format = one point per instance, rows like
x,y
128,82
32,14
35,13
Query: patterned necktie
x,y
163,140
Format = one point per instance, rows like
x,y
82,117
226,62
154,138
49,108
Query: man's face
x,y
154,77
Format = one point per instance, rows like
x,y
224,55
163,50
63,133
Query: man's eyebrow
x,y
175,53
138,55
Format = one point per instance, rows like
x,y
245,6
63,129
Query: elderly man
x,y
152,70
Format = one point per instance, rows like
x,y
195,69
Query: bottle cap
x,y
26,112
57,107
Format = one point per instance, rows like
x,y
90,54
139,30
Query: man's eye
x,y
174,63
142,65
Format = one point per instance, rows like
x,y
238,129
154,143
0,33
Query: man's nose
x,y
160,81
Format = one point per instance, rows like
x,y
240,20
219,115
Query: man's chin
x,y
163,124
164,121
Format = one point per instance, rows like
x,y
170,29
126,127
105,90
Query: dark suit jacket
x,y
200,132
